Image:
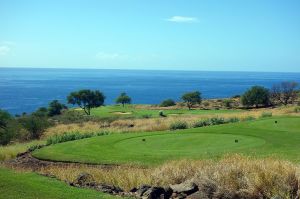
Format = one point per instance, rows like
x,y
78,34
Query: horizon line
x,y
133,69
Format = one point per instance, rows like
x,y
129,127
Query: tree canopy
x,y
256,96
86,99
55,108
192,98
123,99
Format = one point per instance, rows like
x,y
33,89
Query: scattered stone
x,y
198,195
168,192
154,193
111,189
83,179
185,187
133,190
141,190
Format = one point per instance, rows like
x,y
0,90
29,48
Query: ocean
x,y
26,89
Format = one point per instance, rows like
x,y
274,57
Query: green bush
x,y
217,120
178,125
297,109
232,120
201,123
249,118
227,103
34,125
34,147
266,114
168,102
72,136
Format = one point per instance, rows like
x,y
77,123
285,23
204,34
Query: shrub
x,y
72,136
34,147
178,125
201,123
266,114
35,125
255,96
168,102
249,118
297,109
217,121
227,103
232,120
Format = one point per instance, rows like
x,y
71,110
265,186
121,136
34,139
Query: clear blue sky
x,y
228,35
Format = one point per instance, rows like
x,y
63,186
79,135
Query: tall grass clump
x,y
234,175
178,125
266,114
71,136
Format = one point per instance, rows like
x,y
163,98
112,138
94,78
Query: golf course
x,y
275,136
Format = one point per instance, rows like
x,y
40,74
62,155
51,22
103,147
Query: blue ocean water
x,y
26,89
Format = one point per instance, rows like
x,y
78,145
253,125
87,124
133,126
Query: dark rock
x,y
83,179
111,189
168,192
185,187
141,190
154,193
133,190
198,195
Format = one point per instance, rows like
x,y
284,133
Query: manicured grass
x,y
33,186
263,137
136,111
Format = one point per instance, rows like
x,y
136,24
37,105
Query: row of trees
x,y
284,93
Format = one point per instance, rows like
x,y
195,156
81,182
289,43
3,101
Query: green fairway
x,y
263,137
33,186
133,111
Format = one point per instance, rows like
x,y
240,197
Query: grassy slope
x,y
260,138
112,111
32,186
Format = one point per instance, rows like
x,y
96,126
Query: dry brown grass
x,y
157,124
261,178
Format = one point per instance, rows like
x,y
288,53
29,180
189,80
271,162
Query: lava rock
x,y
185,187
83,179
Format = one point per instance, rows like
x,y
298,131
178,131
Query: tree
x,y
35,125
123,99
8,127
255,96
167,102
284,93
192,98
86,99
55,108
4,118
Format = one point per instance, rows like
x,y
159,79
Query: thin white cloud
x,y
4,50
182,19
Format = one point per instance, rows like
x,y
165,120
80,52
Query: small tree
x,y
9,128
86,99
192,98
284,92
168,102
123,99
35,125
255,96
55,108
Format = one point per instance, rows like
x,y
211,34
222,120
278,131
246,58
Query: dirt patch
x,y
122,113
27,161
